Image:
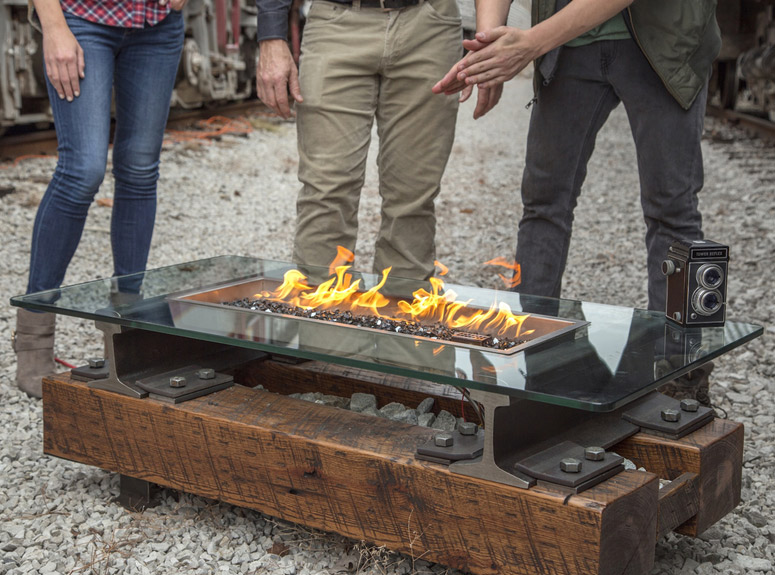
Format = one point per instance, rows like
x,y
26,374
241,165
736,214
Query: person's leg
x,y
341,51
146,67
416,130
668,142
565,120
83,127
83,130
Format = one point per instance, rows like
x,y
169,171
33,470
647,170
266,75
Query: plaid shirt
x,y
121,13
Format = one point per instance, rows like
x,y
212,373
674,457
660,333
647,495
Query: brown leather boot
x,y
34,346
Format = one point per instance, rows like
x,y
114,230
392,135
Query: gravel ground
x,y
236,196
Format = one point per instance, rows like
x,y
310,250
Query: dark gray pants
x,y
589,83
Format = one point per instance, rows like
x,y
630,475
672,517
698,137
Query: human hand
x,y
500,54
176,5
64,61
487,98
450,84
276,75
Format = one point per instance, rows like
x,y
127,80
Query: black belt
x,y
384,4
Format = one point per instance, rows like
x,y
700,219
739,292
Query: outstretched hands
x,y
276,76
495,56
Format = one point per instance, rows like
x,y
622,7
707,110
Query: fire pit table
x,y
556,397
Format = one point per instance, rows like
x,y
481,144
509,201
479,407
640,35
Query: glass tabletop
x,y
584,355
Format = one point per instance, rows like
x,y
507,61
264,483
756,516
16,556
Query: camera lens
x,y
706,302
710,276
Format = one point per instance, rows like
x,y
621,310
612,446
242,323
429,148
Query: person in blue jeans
x,y
97,53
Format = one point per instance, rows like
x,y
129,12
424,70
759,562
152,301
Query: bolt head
x,y
690,405
178,381
671,415
443,440
206,373
570,465
96,362
468,428
594,453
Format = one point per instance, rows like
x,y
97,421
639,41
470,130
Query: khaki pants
x,y
359,64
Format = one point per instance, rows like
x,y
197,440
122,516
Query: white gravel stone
x,y
236,196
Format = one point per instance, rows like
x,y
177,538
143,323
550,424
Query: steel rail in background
x,y
44,141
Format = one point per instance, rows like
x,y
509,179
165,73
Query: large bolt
x,y
206,373
671,415
444,440
96,362
570,465
690,405
468,428
178,381
594,453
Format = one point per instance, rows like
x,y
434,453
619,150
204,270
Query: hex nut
x,y
96,362
570,465
594,454
690,405
206,373
443,440
468,428
671,415
178,381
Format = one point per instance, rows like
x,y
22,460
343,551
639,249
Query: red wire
x,y
463,405
63,362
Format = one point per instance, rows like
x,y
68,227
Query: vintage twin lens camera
x,y
696,282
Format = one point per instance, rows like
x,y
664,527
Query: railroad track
x,y
43,142
762,127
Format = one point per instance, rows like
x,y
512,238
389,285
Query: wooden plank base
x,y
356,475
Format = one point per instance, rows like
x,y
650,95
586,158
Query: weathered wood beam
x,y
714,453
355,475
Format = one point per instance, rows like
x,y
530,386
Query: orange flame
x,y
343,257
443,270
433,305
516,277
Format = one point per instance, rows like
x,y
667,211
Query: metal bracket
x,y
132,355
523,438
461,447
579,471
194,383
95,369
665,416
526,441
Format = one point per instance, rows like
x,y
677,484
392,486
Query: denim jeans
x,y
589,83
141,64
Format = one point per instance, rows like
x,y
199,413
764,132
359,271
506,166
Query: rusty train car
x,y
744,73
217,65
218,62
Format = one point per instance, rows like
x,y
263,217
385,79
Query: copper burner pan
x,y
543,328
